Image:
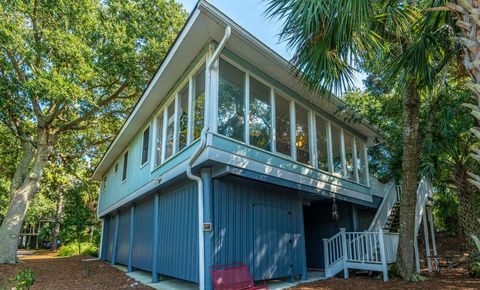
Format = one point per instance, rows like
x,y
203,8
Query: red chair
x,y
233,276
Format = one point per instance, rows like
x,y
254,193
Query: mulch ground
x,y
69,273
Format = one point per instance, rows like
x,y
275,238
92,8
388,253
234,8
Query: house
x,y
227,157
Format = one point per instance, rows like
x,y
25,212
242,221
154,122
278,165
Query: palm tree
x,y
333,38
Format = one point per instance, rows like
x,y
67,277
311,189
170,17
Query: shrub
x,y
474,262
24,279
71,249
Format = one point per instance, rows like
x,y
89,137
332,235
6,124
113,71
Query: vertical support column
x,y
427,241
355,218
293,131
302,243
247,108
103,235
130,242
417,258
342,150
329,147
432,230
325,257
115,240
206,174
344,253
383,257
156,209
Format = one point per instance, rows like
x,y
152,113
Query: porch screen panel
x,y
361,162
183,117
322,156
231,102
301,128
348,138
337,151
159,139
198,104
260,115
282,125
170,129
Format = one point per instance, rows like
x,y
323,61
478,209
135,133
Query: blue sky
x,y
250,15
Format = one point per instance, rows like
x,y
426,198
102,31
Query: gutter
x,y
198,179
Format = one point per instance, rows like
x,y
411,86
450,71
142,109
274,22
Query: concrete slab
x,y
168,283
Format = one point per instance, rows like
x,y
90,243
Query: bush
x,y
474,261
86,249
23,279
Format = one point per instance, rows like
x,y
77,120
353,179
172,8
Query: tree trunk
x,y
20,199
58,216
410,163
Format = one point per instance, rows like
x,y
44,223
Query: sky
x,y
250,15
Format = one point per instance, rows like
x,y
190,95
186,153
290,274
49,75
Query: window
x,y
104,183
322,145
337,151
170,130
198,103
301,133
183,118
349,158
125,164
361,162
115,169
158,139
231,102
146,139
260,124
282,125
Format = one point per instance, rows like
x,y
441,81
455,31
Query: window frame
x,y
115,169
125,166
147,151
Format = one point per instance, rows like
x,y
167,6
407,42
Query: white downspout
x,y
198,179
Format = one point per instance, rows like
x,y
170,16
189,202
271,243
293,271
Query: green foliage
x,y
73,249
24,279
474,262
445,211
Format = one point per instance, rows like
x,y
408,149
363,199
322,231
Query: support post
x,y
417,258
383,257
206,174
302,242
130,242
155,238
101,255
427,241
432,230
115,240
325,257
344,253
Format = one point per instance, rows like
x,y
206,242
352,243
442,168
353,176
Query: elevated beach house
x,y
227,158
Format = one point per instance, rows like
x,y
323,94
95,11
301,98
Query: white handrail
x,y
389,199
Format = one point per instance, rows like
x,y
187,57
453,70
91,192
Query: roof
x,y
207,23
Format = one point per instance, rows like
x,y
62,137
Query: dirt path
x,y
69,273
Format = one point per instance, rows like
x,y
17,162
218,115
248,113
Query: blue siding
x,y
254,224
143,235
110,235
319,225
123,236
178,222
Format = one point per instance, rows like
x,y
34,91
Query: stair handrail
x,y
389,199
329,244
424,191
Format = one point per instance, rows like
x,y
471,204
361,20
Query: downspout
x,y
198,179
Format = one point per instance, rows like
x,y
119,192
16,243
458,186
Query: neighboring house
x,y
276,164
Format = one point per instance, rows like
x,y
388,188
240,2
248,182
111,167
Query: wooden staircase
x,y
393,220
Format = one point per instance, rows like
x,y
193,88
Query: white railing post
x,y
382,255
325,256
344,252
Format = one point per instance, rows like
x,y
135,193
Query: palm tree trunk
x,y
410,163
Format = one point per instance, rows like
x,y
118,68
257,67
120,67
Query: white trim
x,y
123,165
330,148
175,124
366,172
312,128
273,125
191,93
247,107
355,160
143,144
164,133
342,150
115,165
293,131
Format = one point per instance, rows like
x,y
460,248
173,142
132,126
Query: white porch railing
x,y
355,250
391,196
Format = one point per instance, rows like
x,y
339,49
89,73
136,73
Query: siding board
x,y
143,236
123,237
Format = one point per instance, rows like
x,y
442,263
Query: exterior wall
x,y
177,239
259,225
364,217
319,225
